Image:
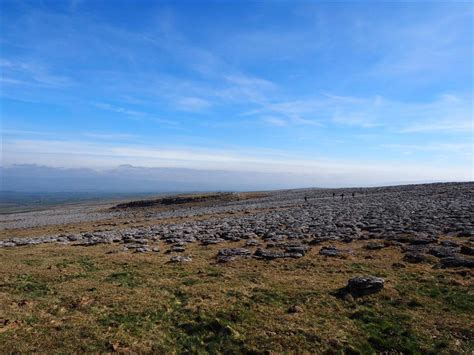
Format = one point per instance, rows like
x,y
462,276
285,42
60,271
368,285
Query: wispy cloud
x,y
400,74
447,126
464,148
118,109
274,121
110,136
192,104
31,74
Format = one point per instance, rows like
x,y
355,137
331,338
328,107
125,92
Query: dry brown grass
x,y
68,299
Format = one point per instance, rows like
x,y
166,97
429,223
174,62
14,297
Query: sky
x,y
309,93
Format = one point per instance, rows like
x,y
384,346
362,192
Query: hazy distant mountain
x,y
128,178
131,179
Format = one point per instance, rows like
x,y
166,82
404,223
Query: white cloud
x,y
118,109
105,155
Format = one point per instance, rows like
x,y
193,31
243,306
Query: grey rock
x,y
251,243
457,261
364,285
180,259
414,257
143,249
332,251
176,249
229,254
442,251
271,254
374,246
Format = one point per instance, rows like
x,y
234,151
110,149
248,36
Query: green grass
x,y
29,286
452,297
386,331
269,296
134,322
209,333
124,279
87,300
87,264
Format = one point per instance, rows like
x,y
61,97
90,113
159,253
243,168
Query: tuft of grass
x,y
454,298
269,296
133,322
124,279
212,332
190,282
209,334
214,273
28,285
32,262
64,263
451,297
87,264
386,331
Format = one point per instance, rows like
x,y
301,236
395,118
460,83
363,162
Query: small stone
x,y
176,249
295,309
180,259
228,254
374,246
331,251
300,249
210,241
251,243
348,297
143,249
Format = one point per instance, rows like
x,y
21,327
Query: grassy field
x,y
61,299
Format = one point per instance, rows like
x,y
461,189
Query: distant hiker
x,y
342,196
353,194
305,199
333,195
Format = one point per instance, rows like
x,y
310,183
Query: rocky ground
x,y
285,224
410,230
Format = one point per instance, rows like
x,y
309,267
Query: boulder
x,y
364,285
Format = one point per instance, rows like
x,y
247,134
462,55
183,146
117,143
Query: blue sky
x,y
382,91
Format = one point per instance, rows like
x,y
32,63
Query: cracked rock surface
x,y
281,224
